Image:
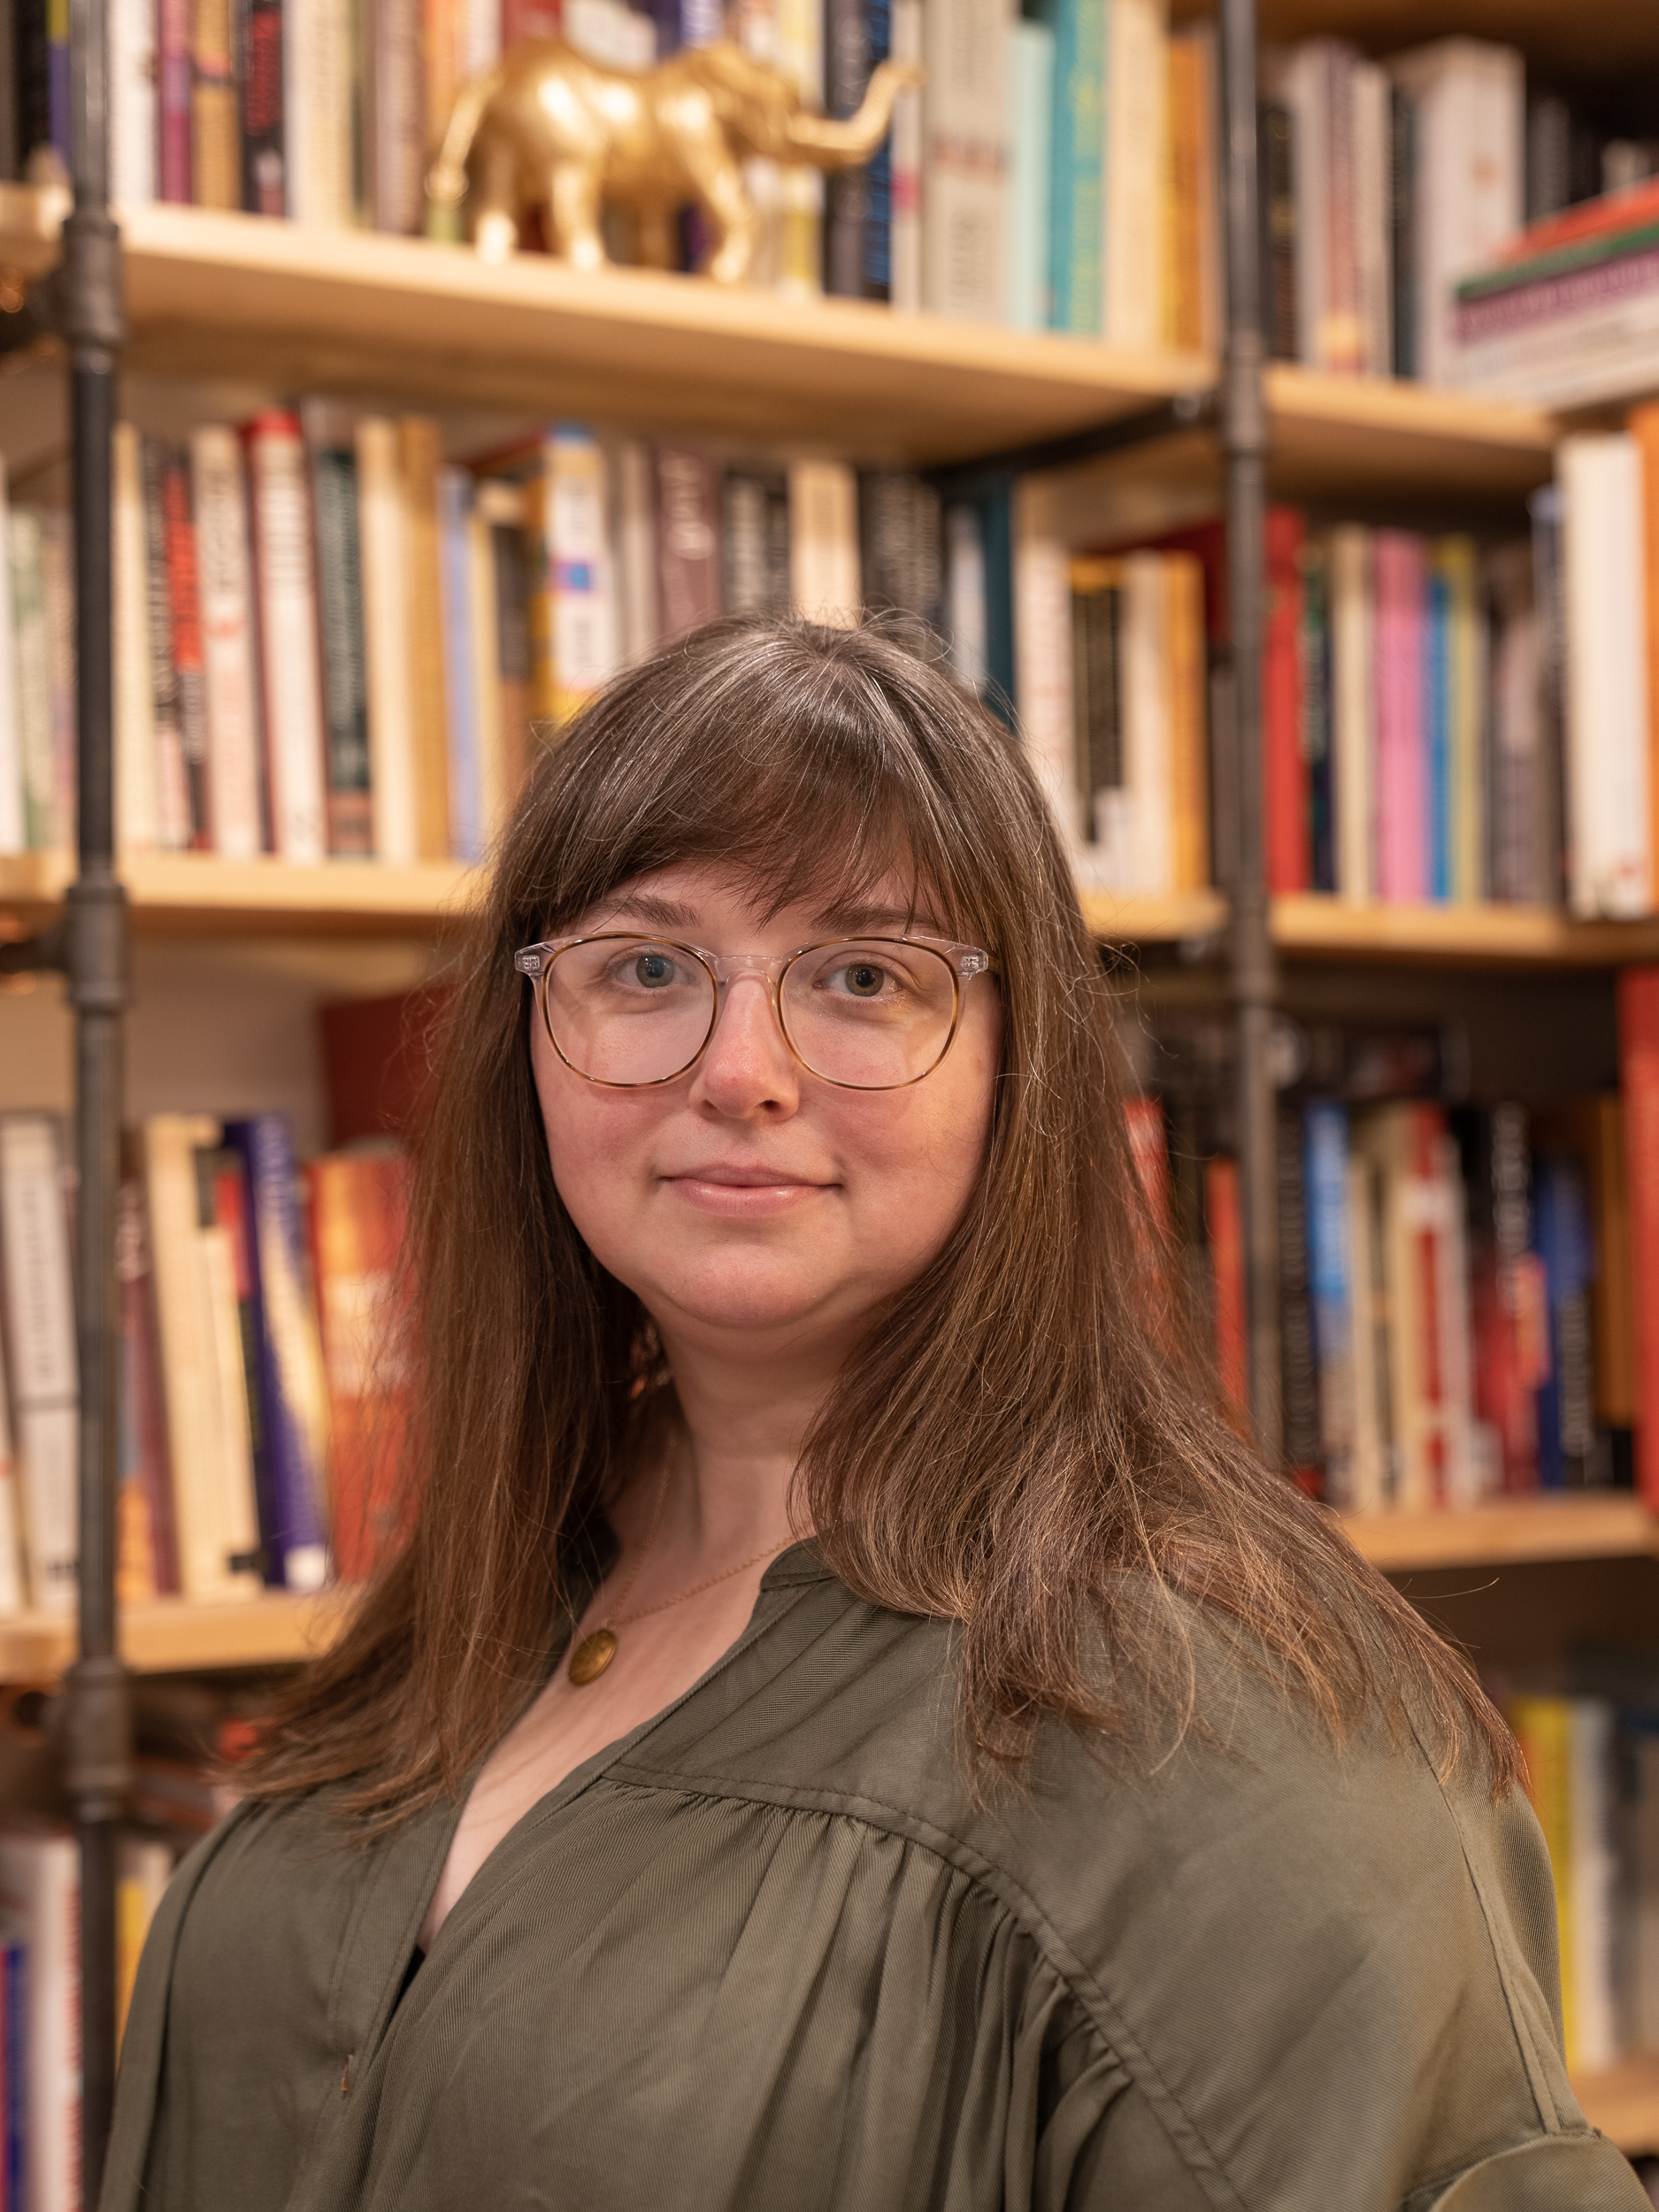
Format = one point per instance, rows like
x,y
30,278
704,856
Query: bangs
x,y
816,775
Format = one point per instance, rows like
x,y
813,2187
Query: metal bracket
x,y
94,1725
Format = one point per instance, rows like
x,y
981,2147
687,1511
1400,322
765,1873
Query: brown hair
x,y
1022,1447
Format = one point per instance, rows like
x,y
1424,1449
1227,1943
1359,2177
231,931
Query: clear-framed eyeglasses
x,y
864,1013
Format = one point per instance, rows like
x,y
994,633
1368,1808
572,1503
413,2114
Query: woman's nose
x,y
747,1067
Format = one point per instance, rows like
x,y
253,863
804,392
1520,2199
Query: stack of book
x,y
261,1375
330,641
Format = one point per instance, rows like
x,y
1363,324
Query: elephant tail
x,y
446,179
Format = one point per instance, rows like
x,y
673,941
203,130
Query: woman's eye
x,y
653,969
864,979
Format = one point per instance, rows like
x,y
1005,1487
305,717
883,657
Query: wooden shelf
x,y
198,893
211,295
1581,1525
1623,2103
1486,935
169,1636
1142,921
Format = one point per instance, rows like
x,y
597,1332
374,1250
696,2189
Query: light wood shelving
x,y
1483,935
1583,1525
170,1635
1623,2104
211,295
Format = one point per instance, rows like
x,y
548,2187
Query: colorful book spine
x,y
905,144
41,1351
1437,780
393,100
285,583
1285,793
1299,1387
1397,635
40,1894
847,61
964,201
215,138
173,64
184,600
133,121
32,672
136,798
261,38
235,777
1324,1164
578,555
58,588
1224,1229
824,581
1135,168
1031,70
420,457
293,1398
350,804
148,1544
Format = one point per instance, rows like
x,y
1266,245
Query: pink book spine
x,y
1401,842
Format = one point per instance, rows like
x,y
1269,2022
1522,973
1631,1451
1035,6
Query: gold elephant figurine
x,y
550,130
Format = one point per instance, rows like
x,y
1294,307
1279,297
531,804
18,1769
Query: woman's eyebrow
x,y
859,920
642,907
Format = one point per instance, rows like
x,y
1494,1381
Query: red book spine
x,y
528,18
1224,1226
184,598
1286,795
1639,1058
172,74
358,1210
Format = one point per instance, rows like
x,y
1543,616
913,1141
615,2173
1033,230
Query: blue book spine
x,y
467,799
1437,734
878,175
1031,174
290,1360
1561,1229
15,2023
997,509
1330,1285
1076,234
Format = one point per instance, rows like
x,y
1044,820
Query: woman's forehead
x,y
693,895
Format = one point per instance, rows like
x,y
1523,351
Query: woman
x,y
1074,1820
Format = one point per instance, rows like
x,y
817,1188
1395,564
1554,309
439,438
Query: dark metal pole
x,y
97,1718
1244,434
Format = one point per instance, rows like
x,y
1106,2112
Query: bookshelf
x,y
276,1629
1612,1525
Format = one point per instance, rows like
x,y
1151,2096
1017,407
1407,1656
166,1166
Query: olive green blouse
x,y
769,1952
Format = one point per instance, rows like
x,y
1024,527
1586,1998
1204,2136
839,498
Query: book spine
x,y
382,540
1466,683
965,199
1398,648
172,789
11,93
1593,1879
1437,738
1325,1170
286,587
1224,1231
1643,426
357,1209
1566,1437
1097,746
1341,338
1146,724
1314,685
905,144
33,669
466,820
513,605
261,72
1299,1397
14,2008
174,88
396,134
134,120
483,627
13,1582
1544,1726
1280,319
215,139
964,593
137,1578
40,1889
421,455
799,55
292,1394
824,579
34,85
1185,316
13,833
1638,1082
1031,172
1373,302
581,602
754,514
350,804
1137,83
235,777
899,547
846,67
134,704
1607,728
317,103
688,541
1286,795
1403,230
57,584
877,224
184,602
147,1484
41,1363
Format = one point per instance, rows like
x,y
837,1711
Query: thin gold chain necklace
x,y
597,1649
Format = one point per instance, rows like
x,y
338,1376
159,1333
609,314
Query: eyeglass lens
x,y
869,1015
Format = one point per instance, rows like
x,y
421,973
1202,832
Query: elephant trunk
x,y
446,179
827,144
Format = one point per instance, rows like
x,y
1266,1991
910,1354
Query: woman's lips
x,y
744,1193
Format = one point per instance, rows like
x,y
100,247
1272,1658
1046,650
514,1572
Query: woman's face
x,y
749,1197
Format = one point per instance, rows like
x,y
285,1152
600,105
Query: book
x,y
172,779
1299,1386
1566,1405
394,116
143,1868
1225,1232
500,509
174,88
905,141
135,704
900,564
146,1538
1520,864
1509,1306
382,553
13,1580
14,834
1313,682
1567,1747
964,593
40,1894
1638,1086
262,71
292,1398
1191,283
420,457
688,540
348,802
755,542
1402,230
1277,163
215,139
317,101
482,619
1643,427
225,579
824,576
798,52
964,191
57,596
1285,792
576,577
357,1211
1607,780
1325,1167
285,593
1030,80
1313,82
460,669
1397,557
848,62
1590,1131
14,2028
32,673
133,120
1134,167
1468,107
1373,284
1374,1476
41,1354
633,534
204,1381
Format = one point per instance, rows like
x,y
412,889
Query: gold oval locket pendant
x,y
592,1656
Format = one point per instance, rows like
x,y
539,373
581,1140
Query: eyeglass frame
x,y
536,963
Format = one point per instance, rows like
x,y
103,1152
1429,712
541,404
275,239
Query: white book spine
x,y
132,102
215,1287
317,68
288,622
40,1350
1042,645
824,579
636,551
905,235
31,675
382,540
1353,698
1372,259
13,837
964,196
225,584
1147,730
1137,165
965,594
136,799
40,1887
1609,838
579,504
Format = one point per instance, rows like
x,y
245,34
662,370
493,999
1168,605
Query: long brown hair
x,y
1021,1448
